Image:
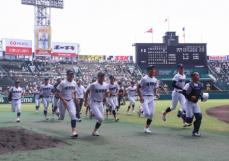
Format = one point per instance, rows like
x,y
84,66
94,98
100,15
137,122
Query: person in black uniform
x,y
55,109
193,92
121,92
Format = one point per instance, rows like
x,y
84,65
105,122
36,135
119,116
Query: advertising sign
x,y
91,57
60,49
43,41
18,47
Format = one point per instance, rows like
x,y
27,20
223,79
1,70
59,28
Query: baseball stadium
x,y
167,101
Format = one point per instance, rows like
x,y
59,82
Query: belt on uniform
x,y
16,99
113,95
148,95
68,100
97,101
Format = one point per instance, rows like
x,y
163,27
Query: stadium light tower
x,y
42,23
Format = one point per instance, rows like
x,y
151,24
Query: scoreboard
x,y
163,55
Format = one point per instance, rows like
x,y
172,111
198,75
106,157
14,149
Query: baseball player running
x,y
88,109
55,109
15,95
192,92
80,90
178,85
37,98
66,91
131,93
112,99
98,93
146,90
121,94
45,94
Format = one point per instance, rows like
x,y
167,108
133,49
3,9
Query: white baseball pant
x,y
131,100
191,109
16,105
148,106
98,110
176,96
70,108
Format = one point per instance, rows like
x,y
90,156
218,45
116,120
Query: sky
x,y
110,27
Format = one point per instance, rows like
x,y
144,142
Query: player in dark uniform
x,y
192,92
55,109
121,92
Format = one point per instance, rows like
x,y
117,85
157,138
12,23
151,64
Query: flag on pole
x,y
150,30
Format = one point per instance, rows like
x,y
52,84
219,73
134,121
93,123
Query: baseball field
x,y
119,141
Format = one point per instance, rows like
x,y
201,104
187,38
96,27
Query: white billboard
x,y
18,43
61,49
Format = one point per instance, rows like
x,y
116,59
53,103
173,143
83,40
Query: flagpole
x,y
152,35
184,33
168,24
184,36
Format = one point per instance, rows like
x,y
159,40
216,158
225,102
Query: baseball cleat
x,y
187,124
95,133
163,116
74,135
78,120
117,119
147,130
18,120
196,134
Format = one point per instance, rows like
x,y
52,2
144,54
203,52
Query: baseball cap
x,y
70,71
180,66
151,67
17,81
100,74
46,78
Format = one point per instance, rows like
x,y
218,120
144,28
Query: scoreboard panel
x,y
162,55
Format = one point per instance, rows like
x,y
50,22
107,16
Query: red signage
x,y
217,58
71,55
18,51
43,52
122,58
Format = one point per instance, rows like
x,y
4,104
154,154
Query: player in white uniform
x,y
178,85
98,91
66,91
80,90
88,101
113,99
45,94
146,89
15,95
131,93
37,98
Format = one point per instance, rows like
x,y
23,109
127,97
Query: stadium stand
x,y
32,73
219,70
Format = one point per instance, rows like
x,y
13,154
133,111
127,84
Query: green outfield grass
x,y
125,140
